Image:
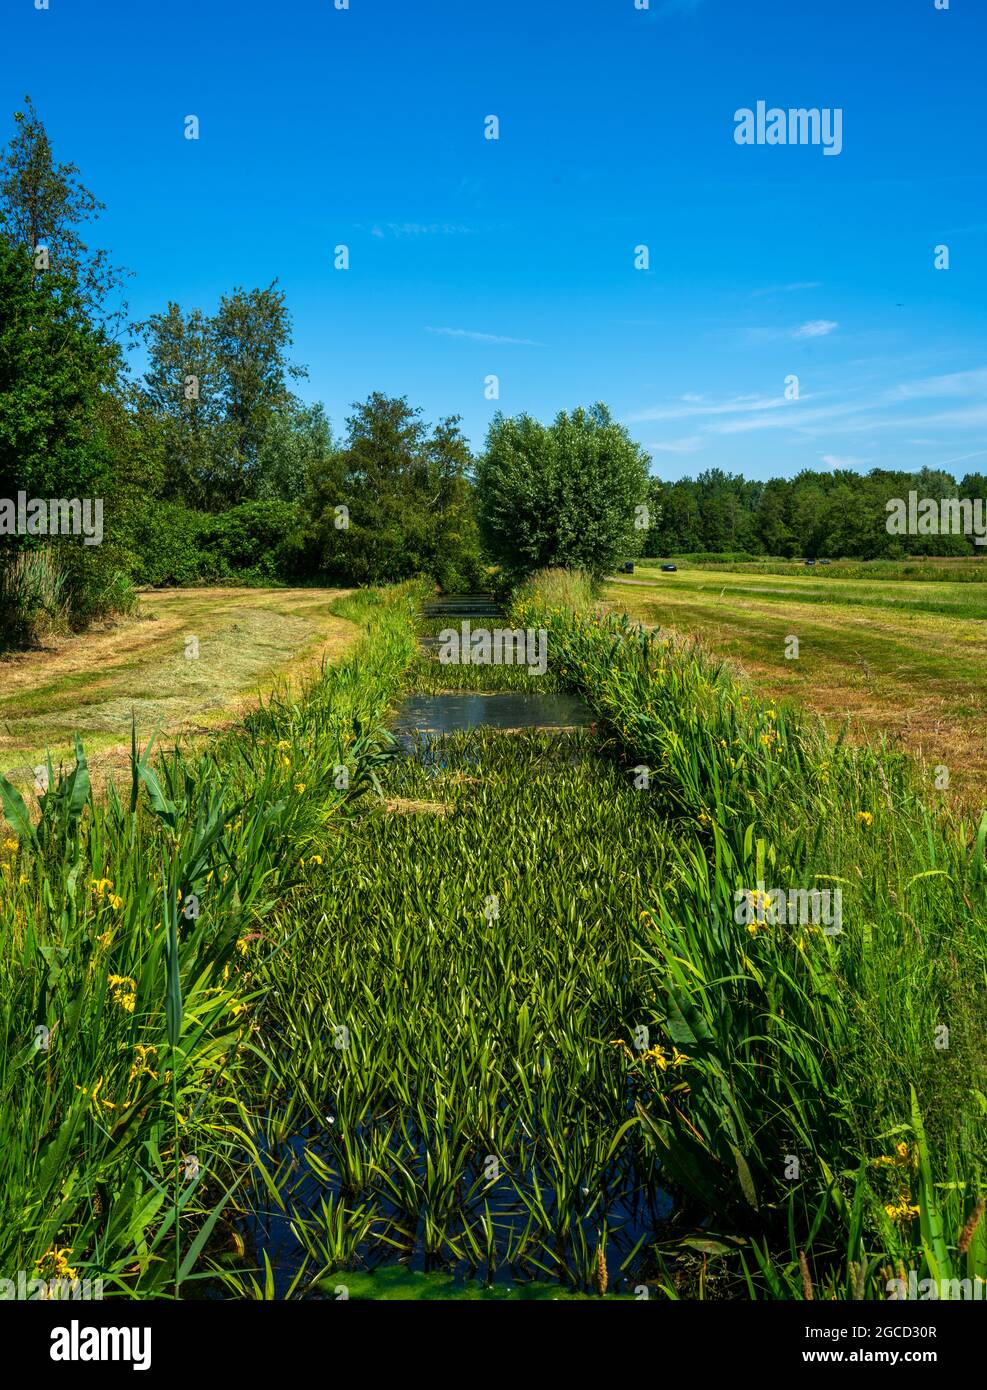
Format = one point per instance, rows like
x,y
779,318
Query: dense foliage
x,y
812,514
560,494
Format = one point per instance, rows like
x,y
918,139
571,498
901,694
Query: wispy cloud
x,y
419,229
957,405
785,289
969,384
813,328
473,337
691,444
690,406
816,328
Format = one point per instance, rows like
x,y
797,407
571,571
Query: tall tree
x,y
42,205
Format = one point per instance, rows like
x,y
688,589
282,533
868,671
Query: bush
x,y
33,601
561,495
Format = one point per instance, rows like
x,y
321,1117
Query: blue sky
x,y
515,258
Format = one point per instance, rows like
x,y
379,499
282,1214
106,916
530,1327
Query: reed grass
x,y
810,1057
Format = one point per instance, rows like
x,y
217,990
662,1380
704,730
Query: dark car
x,y
808,562
824,562
628,567
669,569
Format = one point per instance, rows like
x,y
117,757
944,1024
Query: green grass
x,y
98,684
800,1044
908,660
125,1025
491,1012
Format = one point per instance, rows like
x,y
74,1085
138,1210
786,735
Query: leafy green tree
x,y
220,384
42,205
297,441
54,367
563,494
181,391
250,335
394,500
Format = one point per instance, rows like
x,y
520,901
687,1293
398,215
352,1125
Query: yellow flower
x,y
54,1263
23,879
12,845
100,885
243,945
299,787
94,1094
114,902
315,859
865,817
283,745
124,991
142,1055
902,1211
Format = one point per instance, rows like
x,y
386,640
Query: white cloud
x,y
692,405
816,328
483,337
691,444
971,383
786,289
416,229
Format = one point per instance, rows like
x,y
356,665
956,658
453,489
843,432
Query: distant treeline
x,y
813,514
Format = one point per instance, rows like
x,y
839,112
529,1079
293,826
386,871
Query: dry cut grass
x,y
248,640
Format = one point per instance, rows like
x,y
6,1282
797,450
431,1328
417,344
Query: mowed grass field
x,y
96,683
903,656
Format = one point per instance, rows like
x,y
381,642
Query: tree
x,y
181,392
42,203
395,500
54,366
221,385
563,494
249,336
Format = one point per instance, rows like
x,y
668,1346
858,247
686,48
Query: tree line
x,y
211,468
815,514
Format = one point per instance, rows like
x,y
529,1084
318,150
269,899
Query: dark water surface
x,y
457,714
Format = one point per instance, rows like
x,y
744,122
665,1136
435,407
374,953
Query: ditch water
x,y
633,1212
424,717
435,715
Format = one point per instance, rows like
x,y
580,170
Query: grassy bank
x,y
836,1083
894,656
192,660
130,926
